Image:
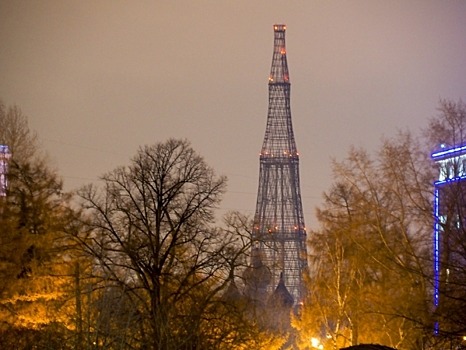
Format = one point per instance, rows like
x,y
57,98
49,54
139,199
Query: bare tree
x,y
150,230
33,215
16,134
448,128
371,257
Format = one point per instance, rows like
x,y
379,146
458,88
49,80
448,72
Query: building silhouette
x,y
279,235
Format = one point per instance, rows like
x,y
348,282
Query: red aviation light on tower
x,y
279,27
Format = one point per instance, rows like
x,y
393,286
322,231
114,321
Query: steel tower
x,y
279,233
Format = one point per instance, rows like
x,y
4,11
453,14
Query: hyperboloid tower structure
x,y
279,233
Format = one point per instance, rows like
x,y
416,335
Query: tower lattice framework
x,y
279,232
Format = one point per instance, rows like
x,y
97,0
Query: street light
x,y
315,343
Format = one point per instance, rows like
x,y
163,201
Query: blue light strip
x,y
436,248
436,255
455,179
449,152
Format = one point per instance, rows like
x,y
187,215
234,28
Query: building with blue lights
x,y
449,248
4,157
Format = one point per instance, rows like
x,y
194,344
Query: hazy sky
x,y
98,79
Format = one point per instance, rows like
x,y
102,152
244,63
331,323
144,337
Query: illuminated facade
x,y
450,223
4,157
279,233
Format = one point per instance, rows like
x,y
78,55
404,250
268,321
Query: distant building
x,y
4,157
450,223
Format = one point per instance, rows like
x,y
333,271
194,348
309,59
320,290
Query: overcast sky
x,y
98,79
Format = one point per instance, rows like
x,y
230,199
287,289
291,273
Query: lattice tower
x,y
279,232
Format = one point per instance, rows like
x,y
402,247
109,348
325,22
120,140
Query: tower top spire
x,y
279,139
279,71
279,27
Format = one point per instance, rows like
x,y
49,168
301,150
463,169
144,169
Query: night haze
x,y
99,79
